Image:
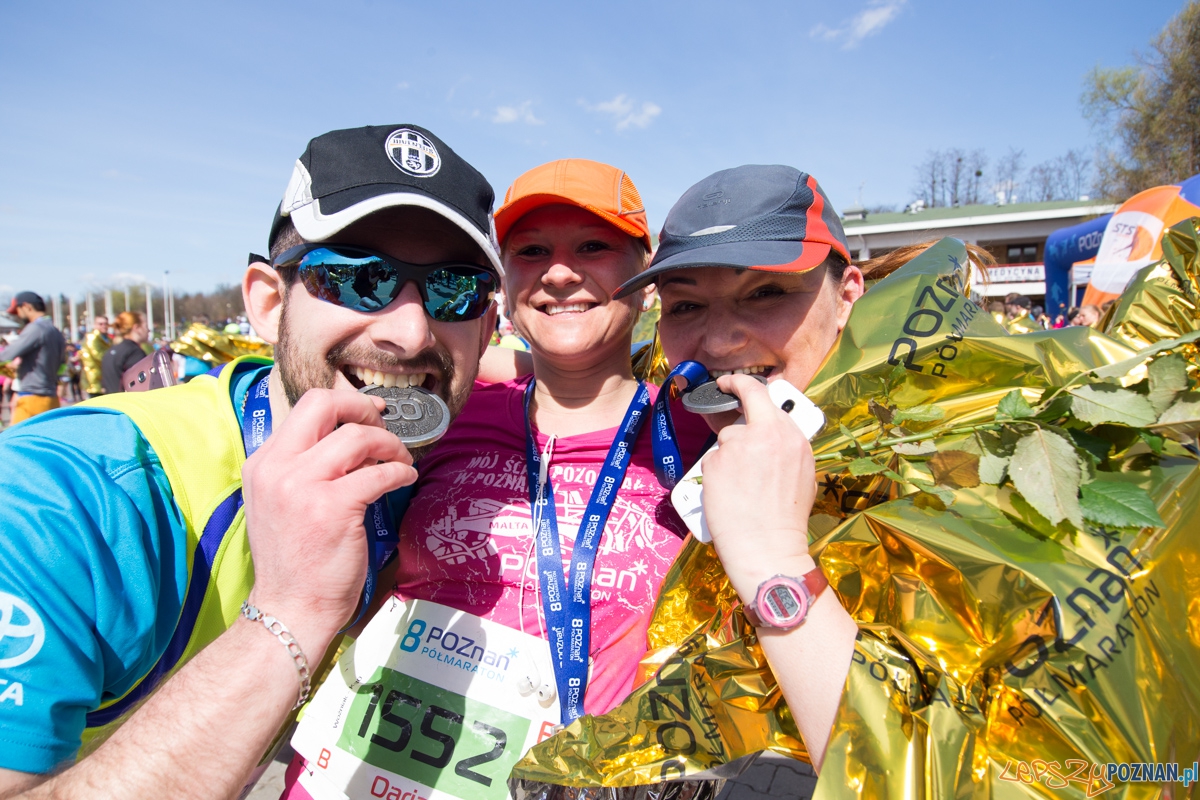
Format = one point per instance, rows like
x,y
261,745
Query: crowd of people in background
x,y
1018,314
43,367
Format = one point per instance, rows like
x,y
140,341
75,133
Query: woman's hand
x,y
759,487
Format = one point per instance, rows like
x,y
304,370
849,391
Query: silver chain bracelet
x,y
289,643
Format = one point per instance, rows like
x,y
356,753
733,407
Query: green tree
x,y
1150,113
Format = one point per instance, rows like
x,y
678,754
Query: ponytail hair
x,y
126,321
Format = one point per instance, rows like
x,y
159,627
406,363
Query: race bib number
x,y
427,704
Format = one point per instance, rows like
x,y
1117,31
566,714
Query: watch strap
x,y
813,581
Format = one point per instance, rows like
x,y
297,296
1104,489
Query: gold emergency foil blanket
x,y
202,342
997,655
1161,301
1022,324
91,353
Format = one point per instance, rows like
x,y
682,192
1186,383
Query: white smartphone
x,y
688,494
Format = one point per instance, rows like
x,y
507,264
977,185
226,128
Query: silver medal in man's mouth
x,y
419,417
708,399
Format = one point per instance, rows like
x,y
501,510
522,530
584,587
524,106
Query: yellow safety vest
x,y
197,435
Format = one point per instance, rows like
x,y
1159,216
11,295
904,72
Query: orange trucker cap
x,y
605,191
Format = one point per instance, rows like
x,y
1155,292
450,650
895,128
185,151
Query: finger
x,y
342,451
368,484
756,401
320,412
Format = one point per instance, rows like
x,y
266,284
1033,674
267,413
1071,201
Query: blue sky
x,y
142,137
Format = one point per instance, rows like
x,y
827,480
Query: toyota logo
x,y
21,631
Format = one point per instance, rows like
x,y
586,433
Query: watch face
x,y
781,603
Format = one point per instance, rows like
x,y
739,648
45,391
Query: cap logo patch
x,y
413,153
713,229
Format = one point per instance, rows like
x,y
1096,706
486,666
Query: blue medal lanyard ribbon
x,y
382,536
569,612
668,465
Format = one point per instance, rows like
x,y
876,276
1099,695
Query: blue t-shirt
x,y
93,572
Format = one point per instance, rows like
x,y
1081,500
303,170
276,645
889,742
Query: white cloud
x,y
402,85
518,113
625,111
868,22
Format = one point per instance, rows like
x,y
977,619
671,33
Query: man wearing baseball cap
x,y
41,348
176,563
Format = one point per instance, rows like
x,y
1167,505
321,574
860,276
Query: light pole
x,y
167,322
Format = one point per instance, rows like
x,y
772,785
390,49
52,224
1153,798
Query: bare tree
x,y
1075,174
976,163
1008,175
955,170
931,179
1062,178
1042,183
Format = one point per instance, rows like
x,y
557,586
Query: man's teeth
x,y
552,310
387,380
716,373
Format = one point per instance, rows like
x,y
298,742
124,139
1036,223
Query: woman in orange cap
x,y
571,232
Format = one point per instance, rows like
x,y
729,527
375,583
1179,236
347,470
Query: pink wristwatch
x,y
783,602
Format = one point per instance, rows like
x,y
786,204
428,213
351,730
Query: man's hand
x,y
759,487
306,492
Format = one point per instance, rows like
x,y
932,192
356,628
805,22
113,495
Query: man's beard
x,y
300,371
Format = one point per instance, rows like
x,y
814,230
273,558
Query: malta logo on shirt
x,y
22,633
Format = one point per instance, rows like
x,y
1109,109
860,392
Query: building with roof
x,y
1015,235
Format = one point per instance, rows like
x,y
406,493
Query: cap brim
x,y
508,215
315,226
760,256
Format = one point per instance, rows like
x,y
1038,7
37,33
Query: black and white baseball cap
x,y
345,175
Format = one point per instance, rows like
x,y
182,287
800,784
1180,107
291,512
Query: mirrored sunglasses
x,y
365,280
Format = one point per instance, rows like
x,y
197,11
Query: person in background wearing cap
x,y
571,232
767,298
42,350
140,541
1016,314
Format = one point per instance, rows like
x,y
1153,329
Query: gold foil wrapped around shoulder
x,y
202,342
1161,302
1022,324
91,353
999,654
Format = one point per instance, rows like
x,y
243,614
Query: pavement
x,y
270,785
770,775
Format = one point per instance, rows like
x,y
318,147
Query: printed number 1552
x,y
442,743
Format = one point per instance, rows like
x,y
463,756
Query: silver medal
x,y
417,416
708,399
